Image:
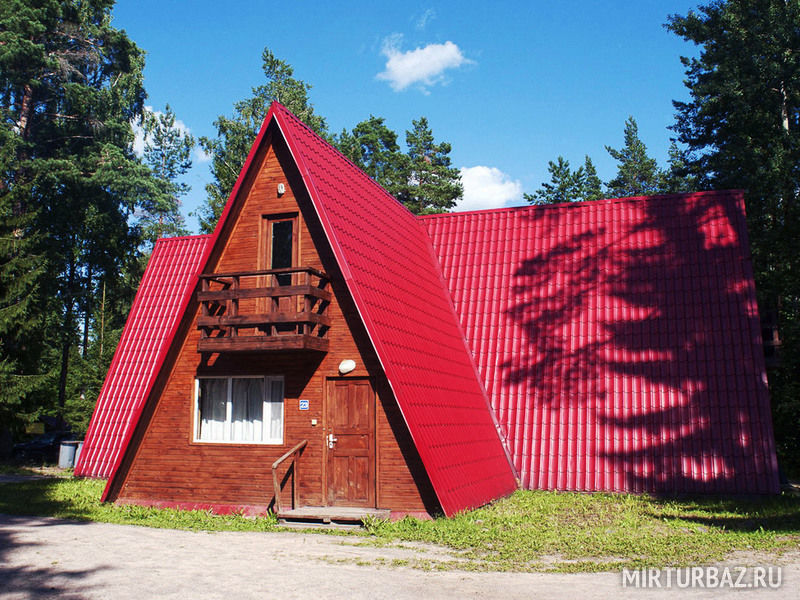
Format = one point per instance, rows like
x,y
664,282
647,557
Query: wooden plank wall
x,y
166,466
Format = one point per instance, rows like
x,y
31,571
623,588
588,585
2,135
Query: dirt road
x,y
48,558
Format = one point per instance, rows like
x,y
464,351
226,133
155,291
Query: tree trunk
x,y
66,342
784,107
26,106
23,125
87,311
102,319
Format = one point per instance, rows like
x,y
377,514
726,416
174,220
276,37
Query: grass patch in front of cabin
x,y
529,530
8,469
537,530
79,499
29,470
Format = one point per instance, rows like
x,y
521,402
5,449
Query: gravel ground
x,y
49,558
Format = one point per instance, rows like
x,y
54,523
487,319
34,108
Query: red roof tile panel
x,y
165,288
619,341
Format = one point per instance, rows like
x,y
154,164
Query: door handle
x,y
331,440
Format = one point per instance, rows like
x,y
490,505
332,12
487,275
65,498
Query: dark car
x,y
41,449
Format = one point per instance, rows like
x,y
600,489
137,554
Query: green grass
x,y
526,531
7,469
79,499
32,469
596,532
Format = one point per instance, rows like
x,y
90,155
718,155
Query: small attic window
x,y
282,234
281,242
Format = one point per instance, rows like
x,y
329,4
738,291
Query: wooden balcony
x,y
263,311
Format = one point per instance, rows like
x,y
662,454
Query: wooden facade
x,y
372,463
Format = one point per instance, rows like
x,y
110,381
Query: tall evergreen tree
x,y
70,86
741,127
429,184
236,134
566,185
637,173
168,153
678,176
592,188
22,324
373,147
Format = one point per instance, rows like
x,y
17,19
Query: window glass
x,y
282,249
240,409
275,404
213,407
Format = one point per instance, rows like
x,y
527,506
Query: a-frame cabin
x,y
319,335
422,364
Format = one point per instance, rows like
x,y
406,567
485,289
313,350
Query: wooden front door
x,y
350,442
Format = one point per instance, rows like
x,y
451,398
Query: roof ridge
x,y
589,203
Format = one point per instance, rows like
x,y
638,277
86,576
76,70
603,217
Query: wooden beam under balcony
x,y
263,319
262,343
265,292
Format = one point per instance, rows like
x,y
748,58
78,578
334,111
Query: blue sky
x,y
510,85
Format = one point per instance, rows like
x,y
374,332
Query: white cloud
x,y
428,16
487,187
138,139
422,66
199,155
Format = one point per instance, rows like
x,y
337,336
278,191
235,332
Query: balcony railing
x,y
256,311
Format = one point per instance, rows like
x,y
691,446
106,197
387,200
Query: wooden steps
x,y
341,515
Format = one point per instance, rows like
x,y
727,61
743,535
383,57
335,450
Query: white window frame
x,y
228,424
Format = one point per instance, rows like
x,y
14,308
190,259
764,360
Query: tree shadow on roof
x,y
641,352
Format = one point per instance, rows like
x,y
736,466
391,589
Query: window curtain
x,y
241,409
247,399
213,408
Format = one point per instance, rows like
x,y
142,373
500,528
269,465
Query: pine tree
x,y
22,326
566,185
70,86
592,184
373,147
678,177
429,184
741,128
168,152
637,173
235,135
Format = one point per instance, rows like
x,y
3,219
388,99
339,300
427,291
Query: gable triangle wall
x,y
162,435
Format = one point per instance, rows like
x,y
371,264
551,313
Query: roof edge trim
x,y
348,277
162,355
582,203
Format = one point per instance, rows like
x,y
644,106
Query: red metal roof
x,y
388,264
165,289
618,340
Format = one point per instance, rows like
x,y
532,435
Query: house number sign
x,y
303,404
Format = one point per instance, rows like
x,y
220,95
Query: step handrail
x,y
276,484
